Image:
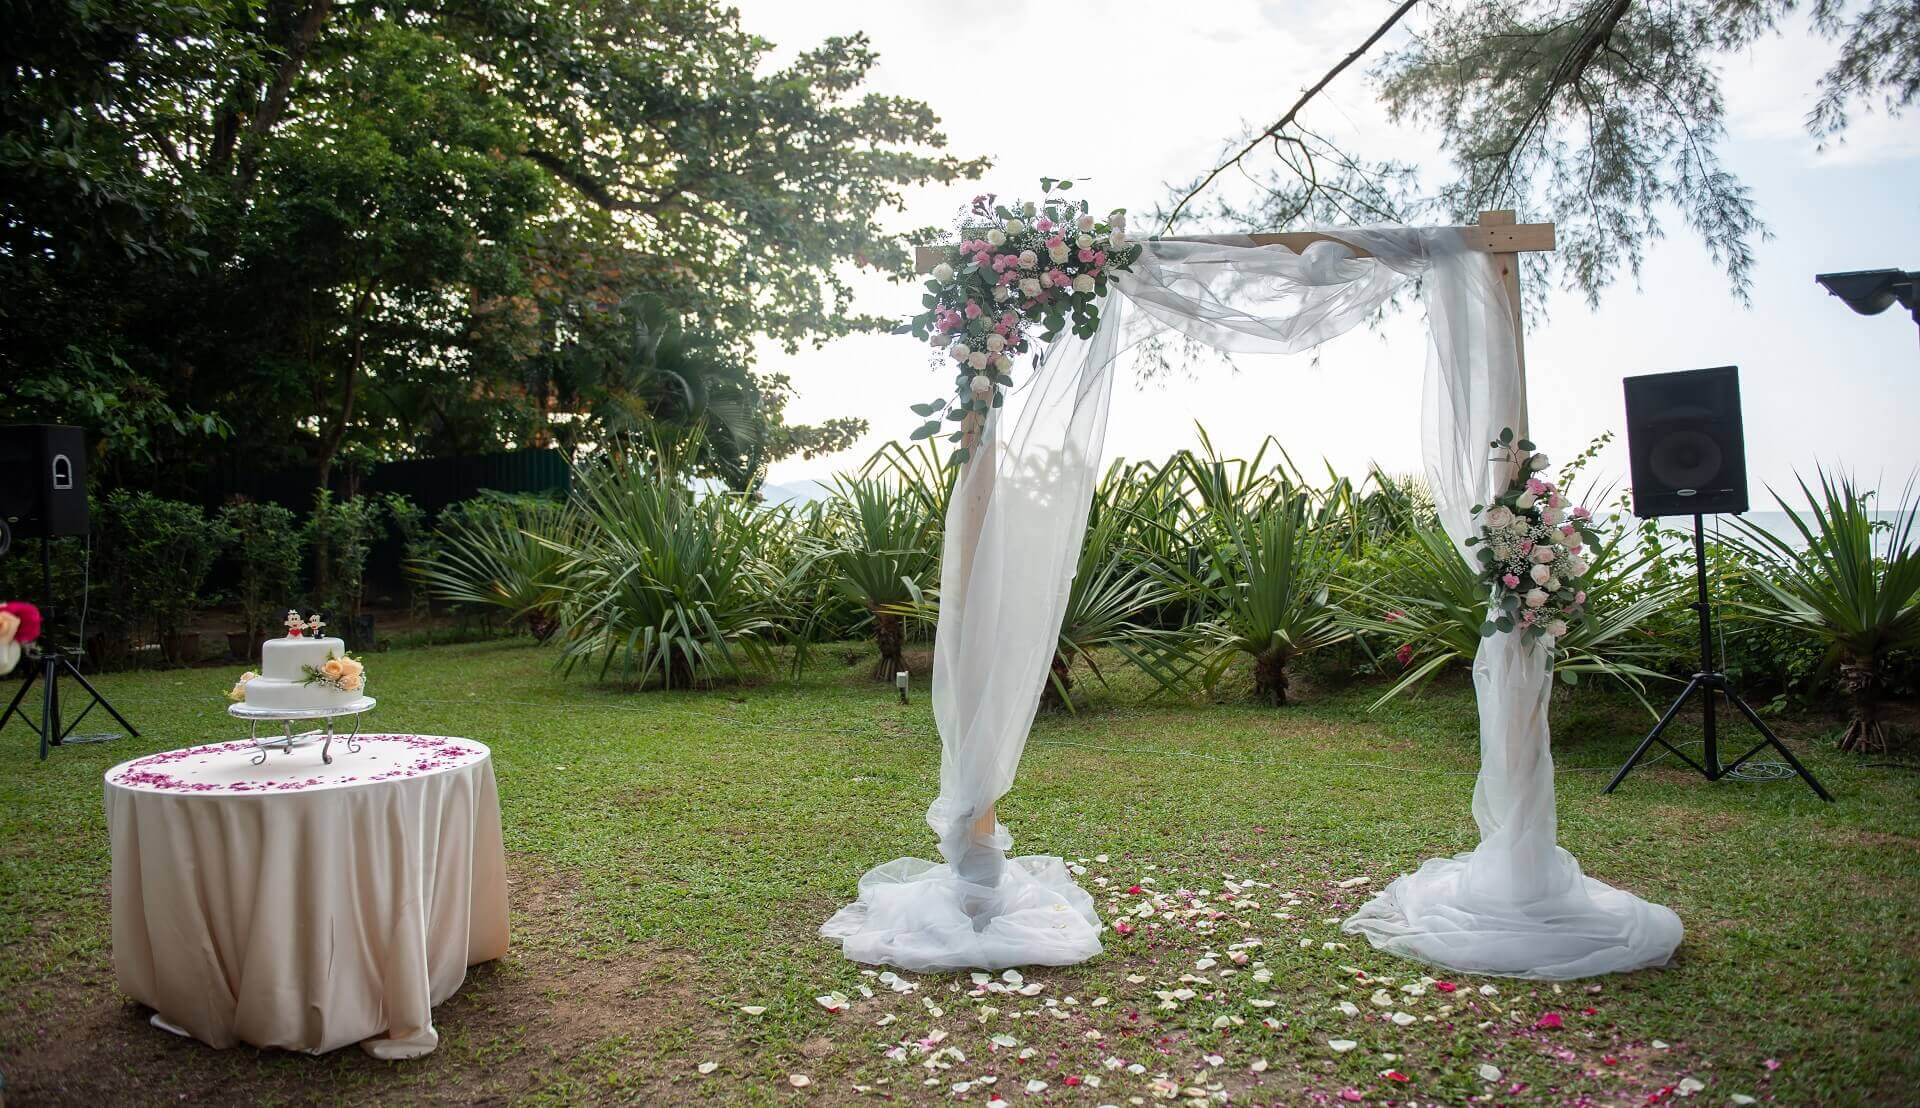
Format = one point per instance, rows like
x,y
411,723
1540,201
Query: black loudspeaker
x,y
43,480
1688,453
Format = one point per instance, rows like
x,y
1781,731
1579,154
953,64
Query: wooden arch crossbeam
x,y
1493,232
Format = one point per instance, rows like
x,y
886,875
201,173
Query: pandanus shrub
x,y
883,552
663,584
503,552
1862,603
1265,581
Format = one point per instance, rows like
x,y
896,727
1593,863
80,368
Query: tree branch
x,y
1274,131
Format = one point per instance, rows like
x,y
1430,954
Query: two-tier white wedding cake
x,y
303,671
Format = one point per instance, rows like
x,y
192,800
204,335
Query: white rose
x,y
1543,554
982,385
977,359
994,342
1520,525
1117,240
1498,516
943,273
1536,598
1002,363
1524,501
1557,628
1553,584
1028,209
1030,286
1084,242
1058,253
1502,551
1540,574
1550,516
1085,223
960,352
1538,463
996,237
1578,567
1028,259
1001,292
1014,227
1083,283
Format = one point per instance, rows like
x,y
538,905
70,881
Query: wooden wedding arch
x,y
1493,232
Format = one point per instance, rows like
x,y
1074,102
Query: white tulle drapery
x,y
1013,536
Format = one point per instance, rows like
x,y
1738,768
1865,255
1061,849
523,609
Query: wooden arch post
x,y
1493,232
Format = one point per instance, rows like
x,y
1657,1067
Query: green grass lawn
x,y
672,855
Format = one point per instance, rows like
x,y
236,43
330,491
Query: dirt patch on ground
x,y
513,1027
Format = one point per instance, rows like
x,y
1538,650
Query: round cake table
x,y
302,905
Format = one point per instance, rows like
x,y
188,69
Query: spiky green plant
x,y
1862,604
505,553
1264,581
882,551
663,584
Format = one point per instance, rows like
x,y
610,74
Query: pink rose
x,y
1526,546
29,617
1536,486
973,310
1580,596
1582,513
1511,581
1085,254
1099,257
982,258
1043,225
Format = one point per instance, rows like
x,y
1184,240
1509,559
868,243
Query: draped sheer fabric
x,y
1518,905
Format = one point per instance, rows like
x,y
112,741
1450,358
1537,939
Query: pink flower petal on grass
x,y
1549,1022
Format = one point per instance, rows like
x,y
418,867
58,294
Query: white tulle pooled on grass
x,y
1013,534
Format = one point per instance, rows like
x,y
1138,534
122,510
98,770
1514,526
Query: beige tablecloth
x,y
306,906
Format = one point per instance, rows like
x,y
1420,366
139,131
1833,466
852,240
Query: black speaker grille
x,y
1685,443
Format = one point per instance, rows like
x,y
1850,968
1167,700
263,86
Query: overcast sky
x,y
1819,383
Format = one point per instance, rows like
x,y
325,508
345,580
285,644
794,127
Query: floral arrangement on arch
x,y
1035,264
19,627
1531,549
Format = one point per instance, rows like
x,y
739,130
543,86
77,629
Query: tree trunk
x,y
1865,734
1270,676
889,634
1059,686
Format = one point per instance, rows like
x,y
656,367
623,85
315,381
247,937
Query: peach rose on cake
x,y
239,690
334,668
350,683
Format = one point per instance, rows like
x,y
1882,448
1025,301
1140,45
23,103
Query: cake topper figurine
x,y
295,625
314,624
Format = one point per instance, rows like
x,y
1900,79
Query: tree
x,y
1605,116
335,228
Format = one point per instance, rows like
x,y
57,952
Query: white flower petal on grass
x,y
1658,1045
753,1009
707,1067
1489,990
1036,1086
1101,858
1349,1008
1489,1073
799,1080
1402,1019
832,1002
1259,1065
1005,1041
1213,1060
1341,1046
1354,882
1381,998
1690,1085
1742,1098
981,978
1012,977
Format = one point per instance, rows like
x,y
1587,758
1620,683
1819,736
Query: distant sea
x,y
1778,524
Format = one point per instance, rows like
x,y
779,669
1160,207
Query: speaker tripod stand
x,y
48,669
1708,682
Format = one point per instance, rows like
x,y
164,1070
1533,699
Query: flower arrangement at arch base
x,y
1531,550
1034,265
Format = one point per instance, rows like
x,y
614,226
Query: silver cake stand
x,y
287,717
